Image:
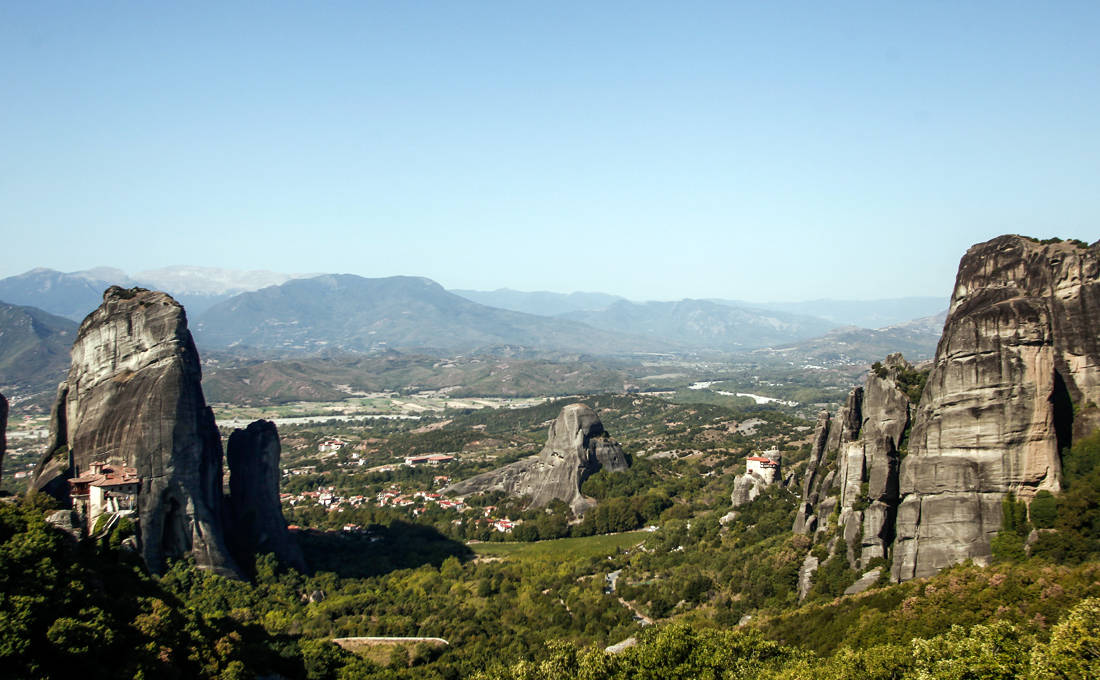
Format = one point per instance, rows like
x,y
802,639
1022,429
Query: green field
x,y
587,546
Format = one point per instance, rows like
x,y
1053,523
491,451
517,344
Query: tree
x,y
1044,510
1074,648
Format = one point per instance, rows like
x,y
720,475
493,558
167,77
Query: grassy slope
x,y
587,546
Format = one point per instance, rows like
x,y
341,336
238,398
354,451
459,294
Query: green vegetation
x,y
546,599
584,548
911,381
995,650
1071,533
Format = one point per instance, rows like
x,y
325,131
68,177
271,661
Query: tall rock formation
x,y
853,465
577,447
133,398
1016,377
830,434
255,522
3,431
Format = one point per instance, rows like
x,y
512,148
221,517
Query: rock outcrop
x,y
760,473
255,523
853,464
3,431
577,447
746,488
1015,379
806,575
133,398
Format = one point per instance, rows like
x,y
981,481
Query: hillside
x,y
846,346
276,382
34,351
701,324
861,313
356,314
543,303
73,295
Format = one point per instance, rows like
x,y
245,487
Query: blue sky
x,y
762,151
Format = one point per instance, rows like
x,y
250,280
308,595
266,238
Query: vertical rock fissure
x,y
1062,410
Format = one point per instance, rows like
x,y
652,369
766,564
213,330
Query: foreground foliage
x,y
982,652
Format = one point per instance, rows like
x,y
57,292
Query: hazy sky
x,y
754,150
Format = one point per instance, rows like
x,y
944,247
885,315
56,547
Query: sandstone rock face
x,y
1015,378
855,455
747,487
577,447
865,581
255,523
133,397
3,431
806,576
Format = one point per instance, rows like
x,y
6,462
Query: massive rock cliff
x,y
255,522
133,398
1016,377
577,447
1015,380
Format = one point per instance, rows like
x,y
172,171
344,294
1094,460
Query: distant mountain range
x,y
74,295
331,315
915,339
543,303
862,313
704,325
347,313
34,351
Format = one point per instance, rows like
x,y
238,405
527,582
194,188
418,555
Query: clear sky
x,y
753,150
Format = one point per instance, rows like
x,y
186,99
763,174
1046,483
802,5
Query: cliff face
x,y
853,465
1016,377
133,397
255,522
1015,380
577,447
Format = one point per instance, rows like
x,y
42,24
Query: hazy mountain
x,y
702,324
351,313
915,339
75,294
71,295
34,350
862,313
184,279
543,303
200,288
